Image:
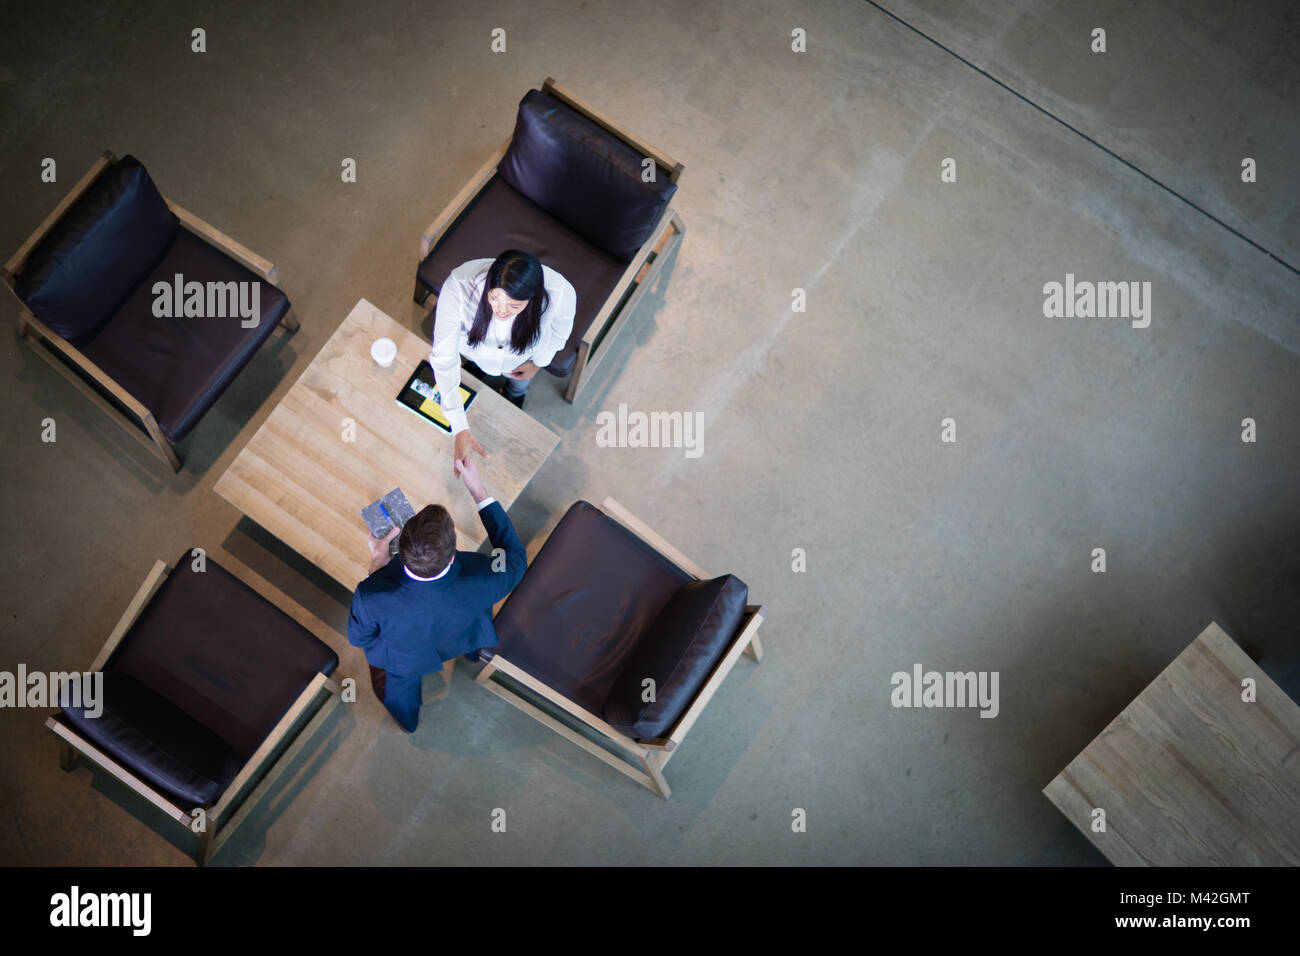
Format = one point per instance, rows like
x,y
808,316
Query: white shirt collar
x,y
415,577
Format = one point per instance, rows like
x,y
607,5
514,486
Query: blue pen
x,y
387,515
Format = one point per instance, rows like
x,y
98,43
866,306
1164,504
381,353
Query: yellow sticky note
x,y
433,410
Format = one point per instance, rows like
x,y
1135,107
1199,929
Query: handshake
x,y
466,471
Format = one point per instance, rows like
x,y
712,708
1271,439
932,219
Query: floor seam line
x,y
1080,133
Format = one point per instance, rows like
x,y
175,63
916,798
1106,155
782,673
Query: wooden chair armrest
x,y
641,273
657,239
272,743
659,743
644,532
748,633
444,219
223,242
517,673
19,258
264,755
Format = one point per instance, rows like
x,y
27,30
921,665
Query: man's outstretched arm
x,y
500,532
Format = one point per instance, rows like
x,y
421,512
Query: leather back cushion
x,y
95,255
583,175
678,651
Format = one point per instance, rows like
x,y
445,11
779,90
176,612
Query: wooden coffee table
x,y
301,480
1190,774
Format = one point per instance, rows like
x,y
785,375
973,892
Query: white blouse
x,y
458,302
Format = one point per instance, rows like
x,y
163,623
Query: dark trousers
x,y
400,694
511,386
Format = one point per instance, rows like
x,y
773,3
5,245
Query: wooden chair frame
x,y
650,756
640,273
94,382
224,815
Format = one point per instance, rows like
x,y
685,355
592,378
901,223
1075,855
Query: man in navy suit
x,y
432,603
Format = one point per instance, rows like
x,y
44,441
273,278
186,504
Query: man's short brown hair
x,y
428,541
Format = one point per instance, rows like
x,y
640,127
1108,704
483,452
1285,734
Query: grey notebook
x,y
389,512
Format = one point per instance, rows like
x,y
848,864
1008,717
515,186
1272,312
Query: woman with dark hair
x,y
508,316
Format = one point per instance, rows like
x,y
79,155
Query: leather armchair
x,y
606,606
569,186
206,686
87,278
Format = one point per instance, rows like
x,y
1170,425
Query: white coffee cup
x,y
383,351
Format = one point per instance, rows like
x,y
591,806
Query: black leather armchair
x,y
90,277
570,187
206,688
606,607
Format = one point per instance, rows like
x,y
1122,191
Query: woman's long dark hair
x,y
520,275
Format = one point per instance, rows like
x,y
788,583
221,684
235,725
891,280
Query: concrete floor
x,y
818,171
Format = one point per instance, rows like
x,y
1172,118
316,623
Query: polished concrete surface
x,y
818,171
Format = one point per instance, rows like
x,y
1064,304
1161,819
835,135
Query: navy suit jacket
x,y
410,627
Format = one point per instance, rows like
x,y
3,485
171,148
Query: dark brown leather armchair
x,y
586,197
92,278
208,693
616,628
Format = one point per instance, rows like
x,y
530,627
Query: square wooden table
x,y
1189,774
338,440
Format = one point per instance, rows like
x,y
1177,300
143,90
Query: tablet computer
x,y
420,395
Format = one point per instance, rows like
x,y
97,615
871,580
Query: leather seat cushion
x,y
178,367
583,603
222,653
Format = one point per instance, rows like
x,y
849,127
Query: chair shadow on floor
x,y
211,438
